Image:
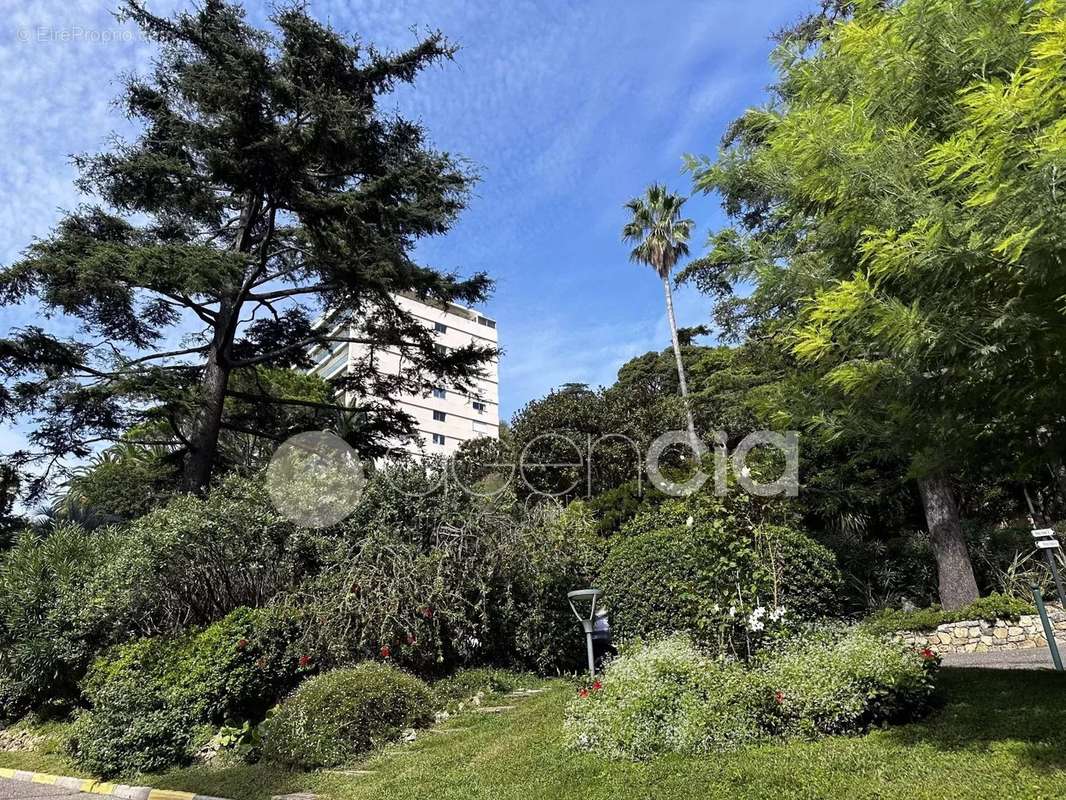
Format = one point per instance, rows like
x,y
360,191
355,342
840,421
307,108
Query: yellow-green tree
x,y
898,206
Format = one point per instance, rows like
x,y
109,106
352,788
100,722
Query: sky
x,y
566,109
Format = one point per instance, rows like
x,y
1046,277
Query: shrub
x,y
992,607
68,594
131,728
195,560
482,586
845,682
53,616
666,697
559,554
669,697
147,697
809,582
686,576
336,716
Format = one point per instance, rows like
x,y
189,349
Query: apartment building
x,y
445,417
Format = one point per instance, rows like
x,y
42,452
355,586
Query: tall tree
x,y
265,187
660,237
896,206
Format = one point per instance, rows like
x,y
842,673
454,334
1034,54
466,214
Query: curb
x,y
103,788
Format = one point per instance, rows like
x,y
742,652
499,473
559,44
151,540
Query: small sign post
x,y
1046,541
1049,629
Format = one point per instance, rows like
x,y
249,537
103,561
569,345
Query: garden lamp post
x,y
577,599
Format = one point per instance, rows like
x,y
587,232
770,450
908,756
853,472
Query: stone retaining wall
x,y
981,635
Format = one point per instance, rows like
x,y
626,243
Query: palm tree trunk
x,y
680,367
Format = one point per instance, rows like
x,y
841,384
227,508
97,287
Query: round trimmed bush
x,y
684,578
336,716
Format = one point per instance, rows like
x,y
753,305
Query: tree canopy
x,y
896,206
266,187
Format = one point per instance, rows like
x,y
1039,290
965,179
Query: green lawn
x,y
1001,734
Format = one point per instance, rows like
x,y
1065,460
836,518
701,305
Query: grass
x,y
1000,734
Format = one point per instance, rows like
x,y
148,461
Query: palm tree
x,y
660,238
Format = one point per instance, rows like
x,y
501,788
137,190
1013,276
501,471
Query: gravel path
x,y
1032,658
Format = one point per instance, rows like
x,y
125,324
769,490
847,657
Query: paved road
x,y
1033,658
10,790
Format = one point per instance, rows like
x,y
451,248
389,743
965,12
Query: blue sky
x,y
567,109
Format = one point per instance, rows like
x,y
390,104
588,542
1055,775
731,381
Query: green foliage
x,y
805,572
339,715
992,607
556,556
466,684
668,697
147,698
615,507
67,594
131,729
704,565
53,616
895,207
838,682
195,560
443,578
263,173
573,426
123,482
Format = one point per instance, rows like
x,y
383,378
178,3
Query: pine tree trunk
x,y
203,441
680,366
957,585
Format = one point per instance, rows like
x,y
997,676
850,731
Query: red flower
x,y
927,654
305,661
427,612
355,588
411,639
385,651
596,686
243,643
583,693
779,697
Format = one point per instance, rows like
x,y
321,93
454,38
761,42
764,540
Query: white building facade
x,y
445,417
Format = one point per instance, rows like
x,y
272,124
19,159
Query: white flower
x,y
732,611
777,614
755,624
758,613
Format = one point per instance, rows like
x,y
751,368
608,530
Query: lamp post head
x,y
582,596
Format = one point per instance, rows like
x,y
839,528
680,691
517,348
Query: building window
x,y
488,323
441,349
439,416
339,362
479,407
440,327
439,393
438,439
